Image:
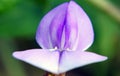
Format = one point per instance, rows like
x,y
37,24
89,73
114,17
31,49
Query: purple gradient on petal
x,y
66,26
49,24
56,28
80,27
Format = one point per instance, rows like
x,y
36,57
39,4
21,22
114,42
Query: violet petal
x,y
79,28
49,32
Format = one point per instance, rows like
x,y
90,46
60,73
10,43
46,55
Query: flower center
x,y
61,49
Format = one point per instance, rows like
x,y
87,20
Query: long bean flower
x,y
64,33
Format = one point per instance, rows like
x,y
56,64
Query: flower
x,y
64,34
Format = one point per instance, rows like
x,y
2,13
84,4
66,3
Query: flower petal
x,y
41,58
74,59
79,28
50,28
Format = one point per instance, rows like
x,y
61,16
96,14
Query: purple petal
x,y
78,28
74,59
41,58
51,26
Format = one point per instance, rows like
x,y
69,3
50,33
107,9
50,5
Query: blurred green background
x,y
18,23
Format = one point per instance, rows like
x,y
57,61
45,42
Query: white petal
x,y
41,58
74,59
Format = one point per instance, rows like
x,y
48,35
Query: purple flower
x,y
64,34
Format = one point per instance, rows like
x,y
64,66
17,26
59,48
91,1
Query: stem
x,y
50,74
